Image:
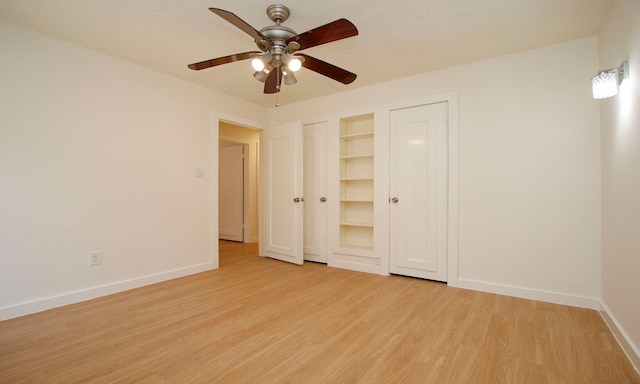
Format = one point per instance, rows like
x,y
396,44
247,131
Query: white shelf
x,y
356,183
352,157
356,179
357,136
362,225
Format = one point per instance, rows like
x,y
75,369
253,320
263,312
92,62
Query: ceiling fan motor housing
x,y
278,34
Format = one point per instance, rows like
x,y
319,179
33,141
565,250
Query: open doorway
x,y
234,141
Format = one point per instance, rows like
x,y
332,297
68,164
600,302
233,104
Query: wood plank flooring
x,y
258,320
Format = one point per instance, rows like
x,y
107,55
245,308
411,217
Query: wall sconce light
x,y
605,83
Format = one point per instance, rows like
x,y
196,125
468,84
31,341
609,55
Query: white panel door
x,y
418,191
282,186
231,193
315,206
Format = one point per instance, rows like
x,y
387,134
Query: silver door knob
x,y
323,199
394,199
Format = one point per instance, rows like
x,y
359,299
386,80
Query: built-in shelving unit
x,y
356,182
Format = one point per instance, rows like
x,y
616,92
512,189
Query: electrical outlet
x,y
95,258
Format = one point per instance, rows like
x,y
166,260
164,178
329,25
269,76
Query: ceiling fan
x,y
276,61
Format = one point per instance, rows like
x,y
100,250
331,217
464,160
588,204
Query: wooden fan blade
x,y
239,23
273,81
336,30
221,60
326,69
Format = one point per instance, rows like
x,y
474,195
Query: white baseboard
x,y
527,293
630,349
95,292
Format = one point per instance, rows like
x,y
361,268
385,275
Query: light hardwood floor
x,y
258,320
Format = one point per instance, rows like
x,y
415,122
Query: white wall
x,y
97,154
529,167
620,119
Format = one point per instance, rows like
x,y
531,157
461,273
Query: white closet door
x,y
282,206
231,193
418,190
315,206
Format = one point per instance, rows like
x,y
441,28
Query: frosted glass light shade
x,y
289,77
294,65
257,64
604,84
261,76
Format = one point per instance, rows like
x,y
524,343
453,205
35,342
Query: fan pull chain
x,y
278,85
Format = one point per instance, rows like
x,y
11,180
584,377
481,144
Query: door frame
x,y
214,136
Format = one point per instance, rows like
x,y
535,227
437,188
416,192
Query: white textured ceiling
x,y
396,38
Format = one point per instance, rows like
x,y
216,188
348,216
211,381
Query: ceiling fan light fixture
x,y
261,76
294,63
261,62
257,64
289,77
